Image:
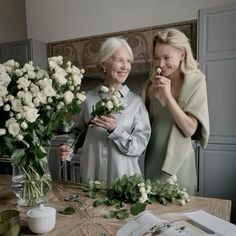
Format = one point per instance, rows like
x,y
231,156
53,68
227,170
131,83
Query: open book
x,y
174,224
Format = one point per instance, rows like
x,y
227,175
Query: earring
x,y
104,70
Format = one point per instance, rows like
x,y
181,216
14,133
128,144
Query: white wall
x,y
56,20
12,20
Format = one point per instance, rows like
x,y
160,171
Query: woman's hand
x,y
162,85
160,88
65,151
107,122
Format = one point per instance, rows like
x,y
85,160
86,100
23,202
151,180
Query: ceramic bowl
x,y
41,219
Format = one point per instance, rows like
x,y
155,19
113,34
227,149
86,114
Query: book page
x,y
147,224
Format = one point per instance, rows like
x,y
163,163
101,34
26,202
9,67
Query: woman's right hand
x,y
65,151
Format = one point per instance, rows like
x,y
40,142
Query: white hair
x,y
108,48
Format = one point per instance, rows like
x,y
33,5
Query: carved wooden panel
x,y
83,52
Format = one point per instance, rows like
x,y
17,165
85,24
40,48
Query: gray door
x,y
217,58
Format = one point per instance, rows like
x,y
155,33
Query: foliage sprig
x,y
136,192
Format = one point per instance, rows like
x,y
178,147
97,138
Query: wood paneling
x,y
83,52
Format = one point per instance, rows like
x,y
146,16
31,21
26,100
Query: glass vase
x,y
29,187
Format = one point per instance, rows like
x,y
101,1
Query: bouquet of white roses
x,y
110,102
32,104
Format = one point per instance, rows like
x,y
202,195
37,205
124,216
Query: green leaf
x,y
137,208
97,203
122,214
68,211
92,194
110,214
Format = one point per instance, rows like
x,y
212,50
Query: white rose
x,y
50,100
28,67
68,96
10,63
142,190
31,114
174,177
7,107
82,71
75,70
34,89
41,98
68,70
10,97
60,71
8,69
16,105
141,185
23,82
4,77
52,64
68,64
109,105
17,65
170,181
28,99
40,74
2,132
3,91
18,72
115,100
76,80
58,59
104,89
31,74
149,188
60,79
81,96
18,116
72,88
13,129
24,125
49,91
20,137
44,82
1,102
21,95
36,102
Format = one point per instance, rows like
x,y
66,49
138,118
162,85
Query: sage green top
x,y
169,152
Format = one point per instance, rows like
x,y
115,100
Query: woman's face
x,y
168,59
118,66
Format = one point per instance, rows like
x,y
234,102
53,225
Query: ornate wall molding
x,y
83,52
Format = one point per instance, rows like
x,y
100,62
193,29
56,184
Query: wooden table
x,y
89,220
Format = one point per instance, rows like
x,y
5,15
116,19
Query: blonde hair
x,y
178,40
108,48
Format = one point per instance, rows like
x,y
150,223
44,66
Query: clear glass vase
x,y
29,187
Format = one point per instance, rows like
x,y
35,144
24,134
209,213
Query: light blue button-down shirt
x,y
106,156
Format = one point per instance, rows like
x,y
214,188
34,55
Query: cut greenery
x,y
134,193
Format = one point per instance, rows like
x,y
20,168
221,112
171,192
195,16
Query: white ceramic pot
x,y
41,219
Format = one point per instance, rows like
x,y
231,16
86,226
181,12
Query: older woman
x,y
114,142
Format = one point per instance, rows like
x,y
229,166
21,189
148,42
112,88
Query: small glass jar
x,y
9,223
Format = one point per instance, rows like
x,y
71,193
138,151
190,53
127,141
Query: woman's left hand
x,y
107,122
